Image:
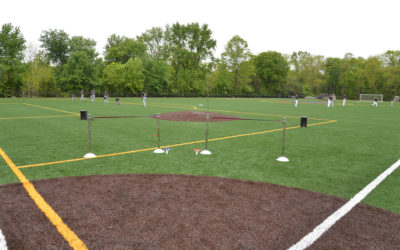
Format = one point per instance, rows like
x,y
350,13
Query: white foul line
x,y
3,245
310,238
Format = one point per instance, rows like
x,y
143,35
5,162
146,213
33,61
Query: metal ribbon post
x,y
283,158
206,151
90,154
158,150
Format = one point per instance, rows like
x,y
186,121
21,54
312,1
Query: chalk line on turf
x,y
310,238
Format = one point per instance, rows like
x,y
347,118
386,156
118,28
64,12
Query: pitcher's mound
x,y
196,116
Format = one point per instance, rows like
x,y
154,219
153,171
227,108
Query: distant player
x,y
375,102
344,100
83,95
92,95
144,97
117,101
106,97
73,97
330,101
296,101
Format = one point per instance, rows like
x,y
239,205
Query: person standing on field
x,y
106,97
92,95
83,95
330,101
144,97
344,100
296,101
375,102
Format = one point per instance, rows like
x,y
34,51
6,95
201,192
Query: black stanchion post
x,y
303,121
83,115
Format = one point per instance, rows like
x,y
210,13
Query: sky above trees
x,y
330,28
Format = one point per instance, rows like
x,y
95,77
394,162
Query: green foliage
x,y
179,60
272,69
80,72
121,49
12,45
134,77
189,48
236,56
307,73
56,46
39,79
157,75
113,78
155,42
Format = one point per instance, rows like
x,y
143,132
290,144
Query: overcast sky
x,y
322,27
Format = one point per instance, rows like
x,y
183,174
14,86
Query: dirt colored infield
x,y
186,212
196,116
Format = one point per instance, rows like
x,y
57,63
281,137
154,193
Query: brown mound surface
x,y
186,212
196,116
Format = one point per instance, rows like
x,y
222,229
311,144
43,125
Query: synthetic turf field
x,y
339,155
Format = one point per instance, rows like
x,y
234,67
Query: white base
x,y
158,151
205,152
282,159
89,155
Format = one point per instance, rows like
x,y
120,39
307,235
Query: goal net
x,y
371,97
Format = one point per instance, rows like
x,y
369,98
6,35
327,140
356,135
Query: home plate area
x,y
196,116
186,212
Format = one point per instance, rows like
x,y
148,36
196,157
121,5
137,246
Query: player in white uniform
x,y
375,102
144,97
330,101
92,95
344,100
83,95
106,97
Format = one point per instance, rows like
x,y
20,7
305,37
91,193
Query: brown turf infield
x,y
196,116
186,212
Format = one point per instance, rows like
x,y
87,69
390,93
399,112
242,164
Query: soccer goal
x,y
371,97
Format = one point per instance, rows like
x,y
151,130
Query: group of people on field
x,y
331,103
106,97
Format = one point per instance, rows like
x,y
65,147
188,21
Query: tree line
x,y
179,60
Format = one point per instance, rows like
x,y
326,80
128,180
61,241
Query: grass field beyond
x,y
341,151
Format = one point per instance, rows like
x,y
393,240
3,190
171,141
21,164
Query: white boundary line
x,y
3,244
310,238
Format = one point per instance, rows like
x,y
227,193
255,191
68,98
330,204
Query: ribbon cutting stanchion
x,y
158,150
205,151
90,119
283,158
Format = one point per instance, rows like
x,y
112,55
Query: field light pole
x,y
158,150
283,158
205,150
90,154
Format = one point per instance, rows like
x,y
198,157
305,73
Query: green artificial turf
x,y
338,158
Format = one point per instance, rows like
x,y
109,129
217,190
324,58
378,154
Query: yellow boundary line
x,y
11,103
53,217
167,146
43,107
35,117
